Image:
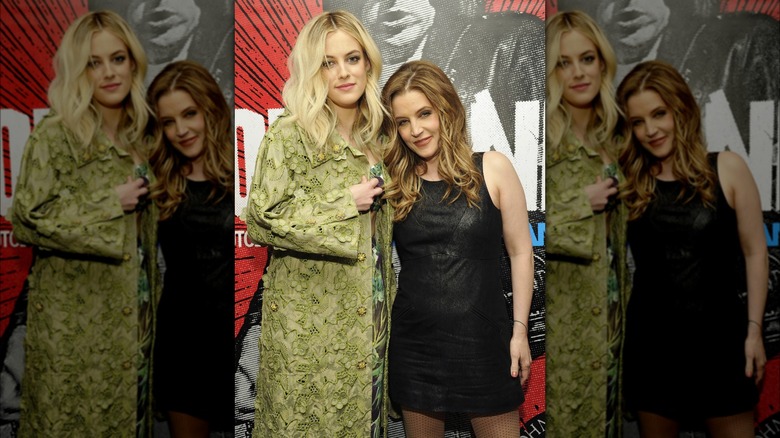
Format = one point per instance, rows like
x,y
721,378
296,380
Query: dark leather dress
x,y
193,356
450,332
686,324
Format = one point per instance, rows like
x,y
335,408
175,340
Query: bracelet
x,y
521,323
755,322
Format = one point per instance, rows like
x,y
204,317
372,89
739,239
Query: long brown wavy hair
x,y
689,153
456,166
170,166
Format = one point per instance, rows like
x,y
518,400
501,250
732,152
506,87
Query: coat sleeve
x,y
571,224
54,208
291,208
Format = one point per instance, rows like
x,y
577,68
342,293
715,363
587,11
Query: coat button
x,y
127,311
361,310
126,257
274,307
596,311
361,257
361,365
38,306
126,365
596,257
595,365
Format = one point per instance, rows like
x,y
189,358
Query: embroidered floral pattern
x,y
587,290
317,351
82,341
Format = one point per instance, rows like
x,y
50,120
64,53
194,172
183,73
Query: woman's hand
x,y
131,192
599,193
520,352
364,193
755,356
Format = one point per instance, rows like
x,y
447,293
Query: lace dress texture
x,y
88,319
319,344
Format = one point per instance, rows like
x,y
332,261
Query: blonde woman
x,y
80,202
454,347
585,240
316,201
192,160
695,224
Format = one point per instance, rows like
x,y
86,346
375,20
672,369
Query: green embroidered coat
x,y
584,313
82,341
316,351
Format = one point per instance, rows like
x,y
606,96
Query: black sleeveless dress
x,y
450,331
684,352
194,347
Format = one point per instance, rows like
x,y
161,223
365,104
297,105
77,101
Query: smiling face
x,y
579,70
183,123
418,123
345,69
110,70
652,123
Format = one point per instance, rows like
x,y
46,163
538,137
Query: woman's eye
x,y
327,64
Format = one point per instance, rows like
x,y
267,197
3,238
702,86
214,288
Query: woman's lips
x,y
188,142
423,142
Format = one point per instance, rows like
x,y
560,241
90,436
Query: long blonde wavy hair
x,y
605,114
170,166
71,91
689,153
456,165
305,93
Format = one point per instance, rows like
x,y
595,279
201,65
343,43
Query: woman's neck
x,y
345,118
110,118
666,173
197,172
431,170
580,117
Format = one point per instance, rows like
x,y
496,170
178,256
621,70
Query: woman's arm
x,y
742,194
291,208
574,194
54,209
507,194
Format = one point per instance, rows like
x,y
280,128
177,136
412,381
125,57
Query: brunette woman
x,y
193,162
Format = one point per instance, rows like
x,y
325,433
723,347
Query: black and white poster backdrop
x,y
494,53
